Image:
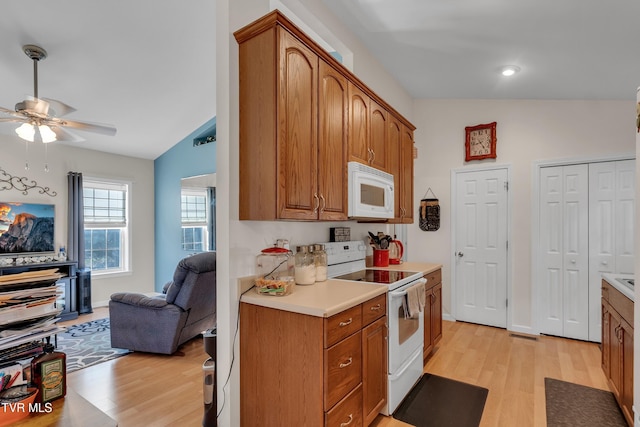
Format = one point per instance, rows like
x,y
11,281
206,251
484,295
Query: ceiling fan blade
x,y
64,135
59,108
102,128
13,119
10,112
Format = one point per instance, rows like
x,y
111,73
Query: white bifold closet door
x,y
564,247
586,229
611,216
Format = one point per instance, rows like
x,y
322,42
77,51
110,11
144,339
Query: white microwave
x,y
371,192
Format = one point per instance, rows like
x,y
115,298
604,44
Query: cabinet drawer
x,y
617,300
342,369
433,278
347,413
374,309
341,325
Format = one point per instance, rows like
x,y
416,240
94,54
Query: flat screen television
x,y
26,228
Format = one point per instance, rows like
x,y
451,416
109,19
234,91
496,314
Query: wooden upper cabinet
x,y
378,137
394,139
298,139
359,113
367,130
332,144
406,175
303,117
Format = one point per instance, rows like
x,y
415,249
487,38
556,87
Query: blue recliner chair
x,y
161,324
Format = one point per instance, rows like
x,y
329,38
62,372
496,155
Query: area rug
x,y
438,401
570,404
88,344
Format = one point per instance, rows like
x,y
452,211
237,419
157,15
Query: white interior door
x,y
481,224
611,214
564,246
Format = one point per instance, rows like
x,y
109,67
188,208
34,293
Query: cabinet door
x,y
627,371
359,105
428,319
406,177
297,146
374,369
615,354
606,339
436,313
394,140
332,144
378,137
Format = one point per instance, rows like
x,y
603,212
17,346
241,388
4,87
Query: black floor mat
x,y
570,404
438,401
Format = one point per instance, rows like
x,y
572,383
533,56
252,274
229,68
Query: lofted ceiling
x,y
149,67
566,49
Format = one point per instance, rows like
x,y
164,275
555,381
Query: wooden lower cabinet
x,y
432,312
301,370
617,346
374,369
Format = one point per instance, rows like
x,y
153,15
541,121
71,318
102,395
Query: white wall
x,y
63,159
241,241
527,131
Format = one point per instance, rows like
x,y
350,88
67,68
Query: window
x,y
195,214
105,226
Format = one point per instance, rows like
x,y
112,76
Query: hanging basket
x,y
429,213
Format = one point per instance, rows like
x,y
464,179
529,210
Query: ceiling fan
x,y
41,117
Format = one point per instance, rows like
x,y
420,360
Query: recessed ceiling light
x,y
509,70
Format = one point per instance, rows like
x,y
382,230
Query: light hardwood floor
x,y
155,390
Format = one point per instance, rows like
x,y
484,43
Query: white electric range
x,y
406,335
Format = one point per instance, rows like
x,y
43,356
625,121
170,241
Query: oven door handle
x,y
403,292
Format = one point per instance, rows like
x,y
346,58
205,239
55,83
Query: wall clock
x,y
480,142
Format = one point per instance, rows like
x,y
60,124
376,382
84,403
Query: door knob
x,y
460,254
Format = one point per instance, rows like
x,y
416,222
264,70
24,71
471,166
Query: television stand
x,y
69,299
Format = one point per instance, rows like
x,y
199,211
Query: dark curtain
x,y
75,228
212,218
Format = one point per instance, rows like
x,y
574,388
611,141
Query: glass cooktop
x,y
385,277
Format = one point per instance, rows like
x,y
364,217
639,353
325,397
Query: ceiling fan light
x,y
26,131
47,134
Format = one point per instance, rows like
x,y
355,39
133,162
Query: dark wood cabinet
x,y
400,142
432,312
332,144
617,346
303,116
368,134
328,371
374,363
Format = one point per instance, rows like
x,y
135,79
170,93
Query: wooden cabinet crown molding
x,y
275,18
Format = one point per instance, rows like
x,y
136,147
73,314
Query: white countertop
x,y
324,299
611,279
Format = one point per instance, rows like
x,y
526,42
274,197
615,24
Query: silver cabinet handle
x,y
324,203
347,363
348,322
315,209
376,307
348,422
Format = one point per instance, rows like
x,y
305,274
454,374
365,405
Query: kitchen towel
x,y
415,300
